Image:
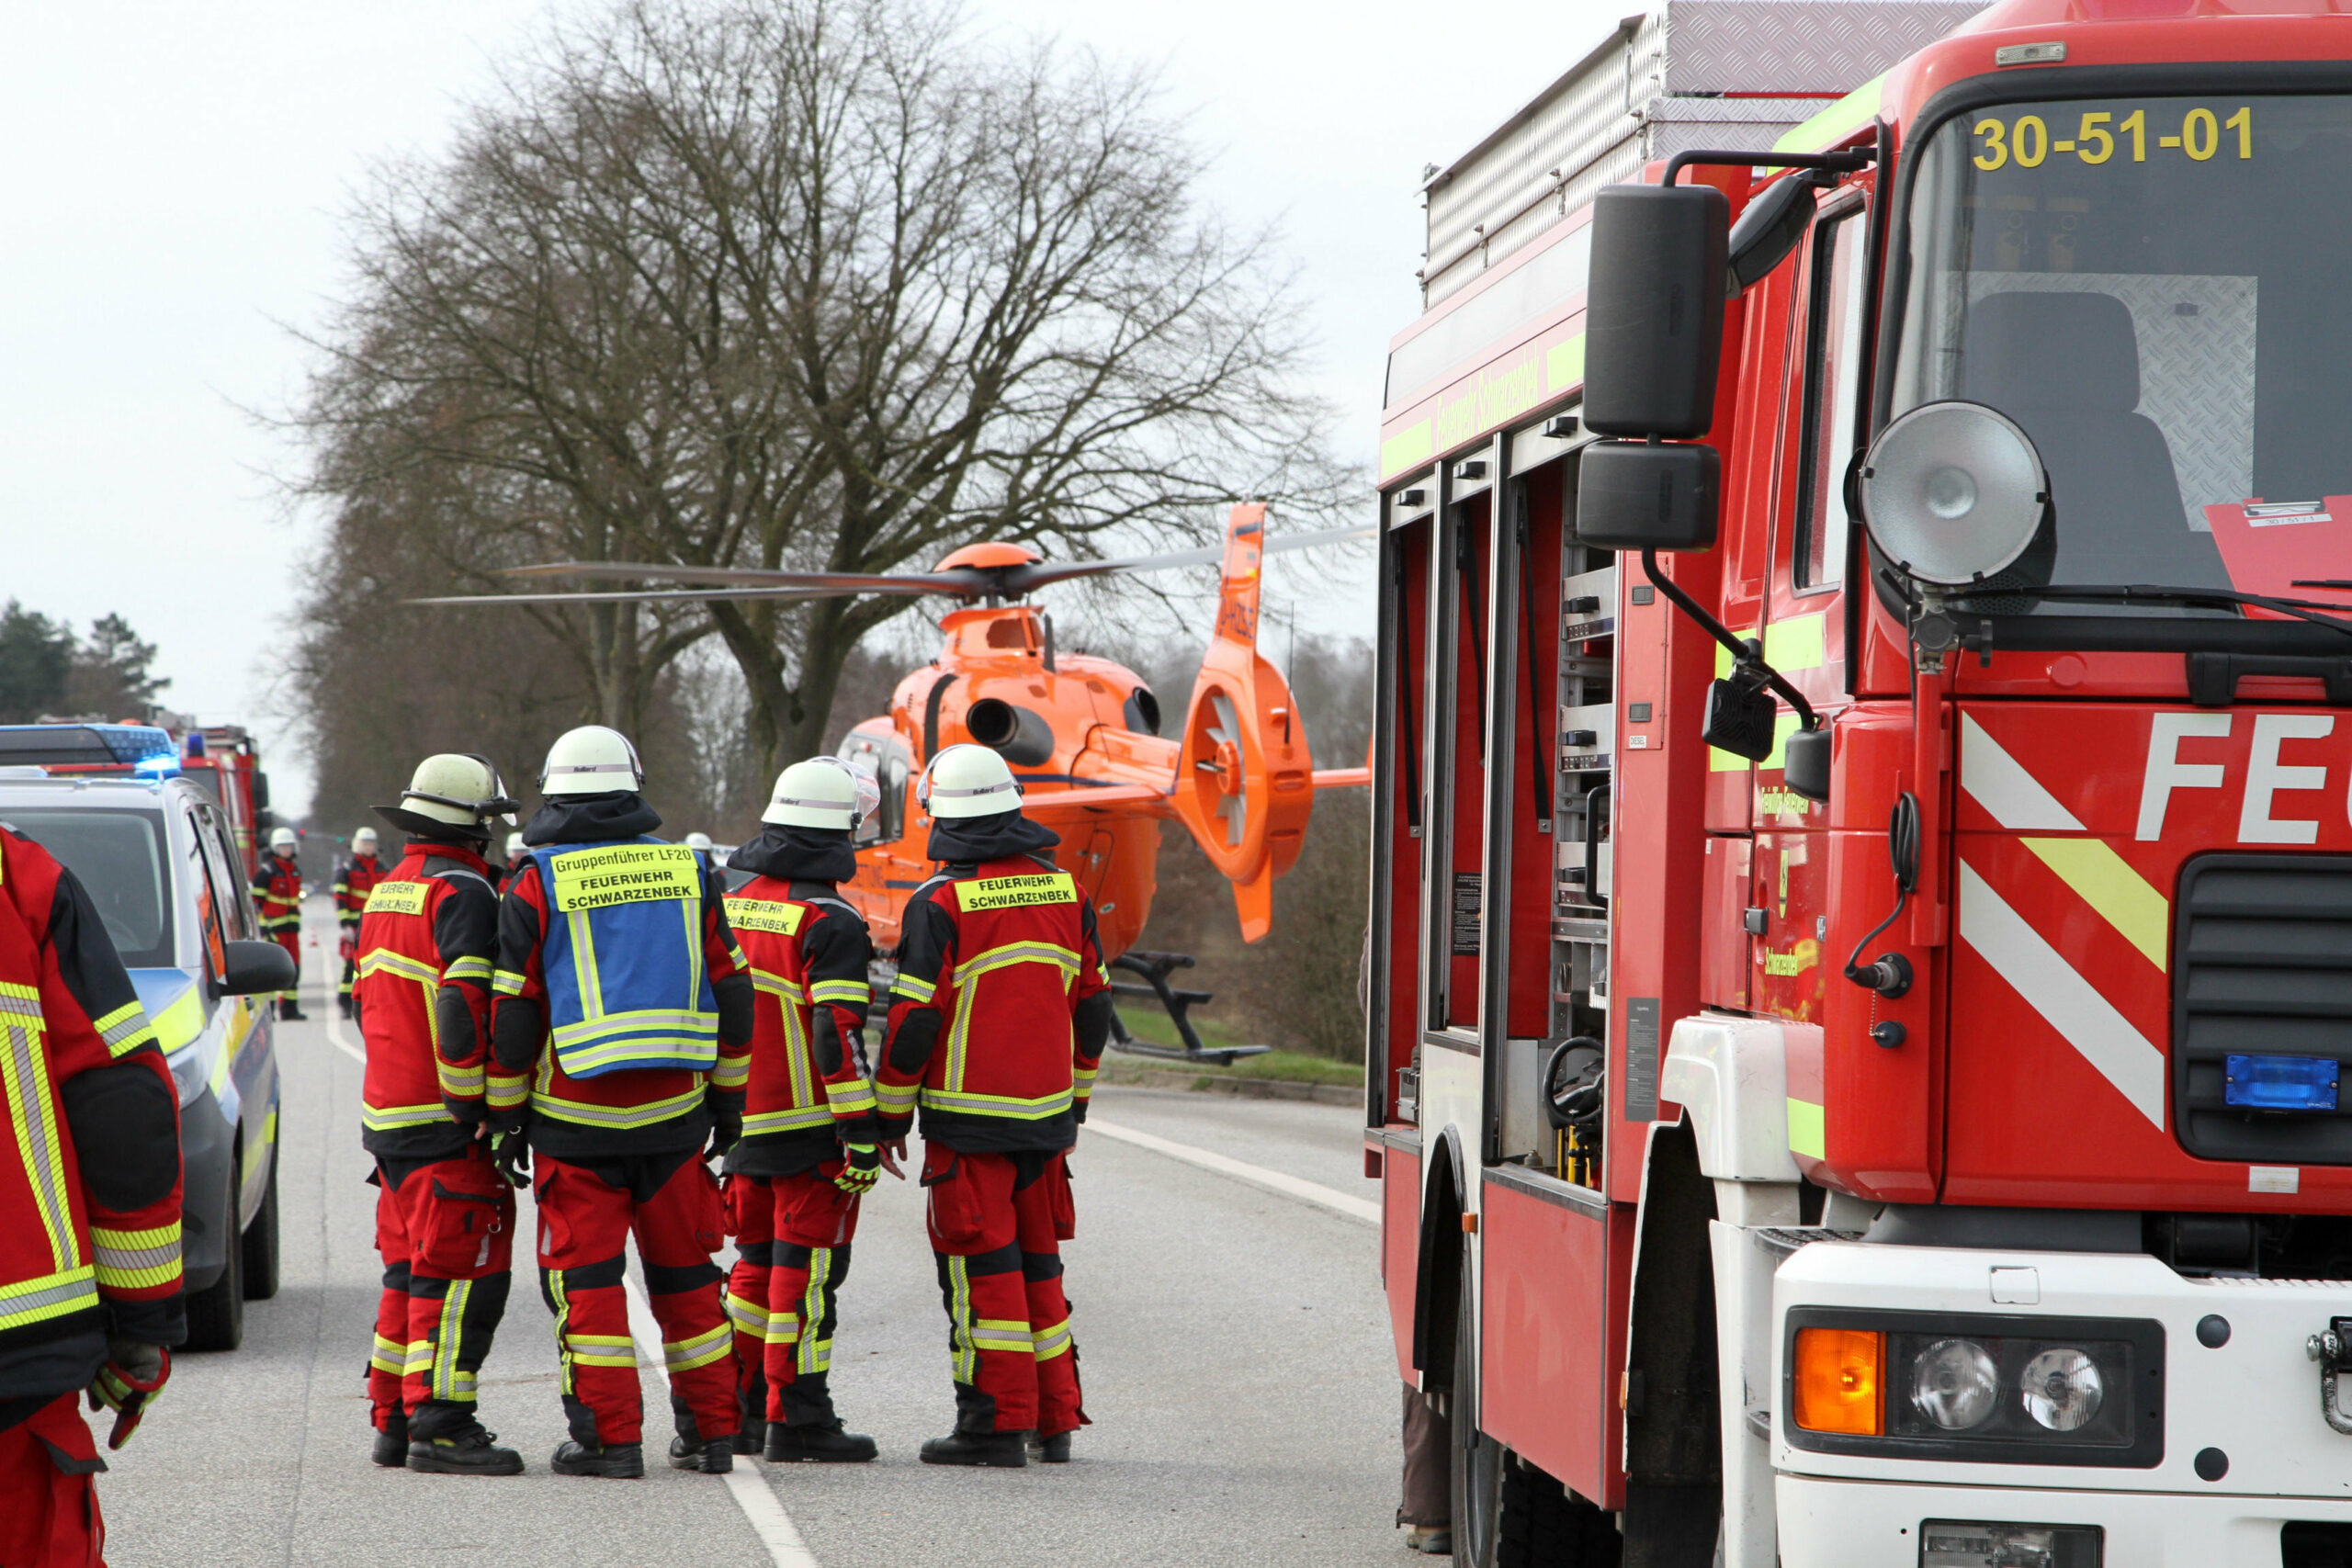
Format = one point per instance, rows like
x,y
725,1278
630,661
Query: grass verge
x,y
1288,1066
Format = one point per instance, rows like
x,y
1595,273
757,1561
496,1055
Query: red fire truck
x,y
1863,929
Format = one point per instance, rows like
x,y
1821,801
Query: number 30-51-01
x,y
2026,141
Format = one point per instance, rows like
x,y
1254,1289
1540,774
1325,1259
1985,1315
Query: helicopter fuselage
x,y
1080,732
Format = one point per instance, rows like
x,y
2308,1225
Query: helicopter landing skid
x,y
1154,968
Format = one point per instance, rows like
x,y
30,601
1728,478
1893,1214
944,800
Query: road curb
x,y
1134,1076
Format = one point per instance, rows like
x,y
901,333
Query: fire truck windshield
x,y
2159,292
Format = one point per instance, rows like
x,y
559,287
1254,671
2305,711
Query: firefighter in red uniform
x,y
89,1209
622,1043
354,880
277,897
809,1151
445,1217
998,955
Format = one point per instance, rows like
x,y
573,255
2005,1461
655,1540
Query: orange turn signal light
x,y
1838,1378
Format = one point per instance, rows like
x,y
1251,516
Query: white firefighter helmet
x,y
514,848
449,789
823,792
363,840
965,780
282,839
590,759
699,841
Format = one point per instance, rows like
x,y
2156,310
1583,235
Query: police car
x,y
155,852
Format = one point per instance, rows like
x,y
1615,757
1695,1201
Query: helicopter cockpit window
x,y
891,763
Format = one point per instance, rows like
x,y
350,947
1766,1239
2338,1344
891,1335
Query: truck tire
x,y
216,1314
261,1242
1479,1462
1546,1525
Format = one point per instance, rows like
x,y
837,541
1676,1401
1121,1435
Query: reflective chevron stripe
x,y
2053,987
617,1116
125,1030
685,1355
50,1295
136,1260
764,1122
2089,865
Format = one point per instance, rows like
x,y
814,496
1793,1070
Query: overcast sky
x,y
175,175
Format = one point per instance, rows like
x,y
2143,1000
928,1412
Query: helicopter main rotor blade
x,y
957,581
641,596
1021,579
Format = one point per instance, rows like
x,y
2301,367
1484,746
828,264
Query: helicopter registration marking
x,y
623,873
398,898
764,915
1010,892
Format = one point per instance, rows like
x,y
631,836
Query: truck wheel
x,y
1479,1462
261,1242
216,1314
1546,1525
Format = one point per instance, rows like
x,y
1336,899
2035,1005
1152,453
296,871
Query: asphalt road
x,y
1237,1365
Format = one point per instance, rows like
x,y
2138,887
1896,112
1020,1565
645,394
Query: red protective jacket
x,y
354,880
428,941
1001,1005
277,894
90,1182
644,1111
810,1090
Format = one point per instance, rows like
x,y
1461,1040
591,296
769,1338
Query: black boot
x,y
817,1445
716,1457
467,1451
343,1005
617,1462
290,1008
751,1435
1049,1451
391,1443
1000,1451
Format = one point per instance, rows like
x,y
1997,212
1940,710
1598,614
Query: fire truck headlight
x,y
1954,1383
1953,492
1983,1388
2062,1389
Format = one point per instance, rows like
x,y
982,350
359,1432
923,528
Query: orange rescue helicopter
x,y
1083,734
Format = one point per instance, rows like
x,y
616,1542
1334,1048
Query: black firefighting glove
x,y
134,1373
726,1131
510,1154
862,1168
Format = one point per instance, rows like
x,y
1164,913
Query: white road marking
x,y
749,1485
1289,1186
334,1034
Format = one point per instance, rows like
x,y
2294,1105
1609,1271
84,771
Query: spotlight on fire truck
x,y
1952,492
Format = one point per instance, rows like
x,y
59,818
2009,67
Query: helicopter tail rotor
x,y
1244,780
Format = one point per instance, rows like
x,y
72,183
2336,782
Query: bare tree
x,y
820,284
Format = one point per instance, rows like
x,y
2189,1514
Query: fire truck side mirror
x,y
1805,764
1770,227
1654,311
1637,495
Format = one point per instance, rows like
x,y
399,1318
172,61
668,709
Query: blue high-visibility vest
x,y
623,957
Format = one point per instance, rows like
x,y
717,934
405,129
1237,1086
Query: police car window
x,y
119,857
228,888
